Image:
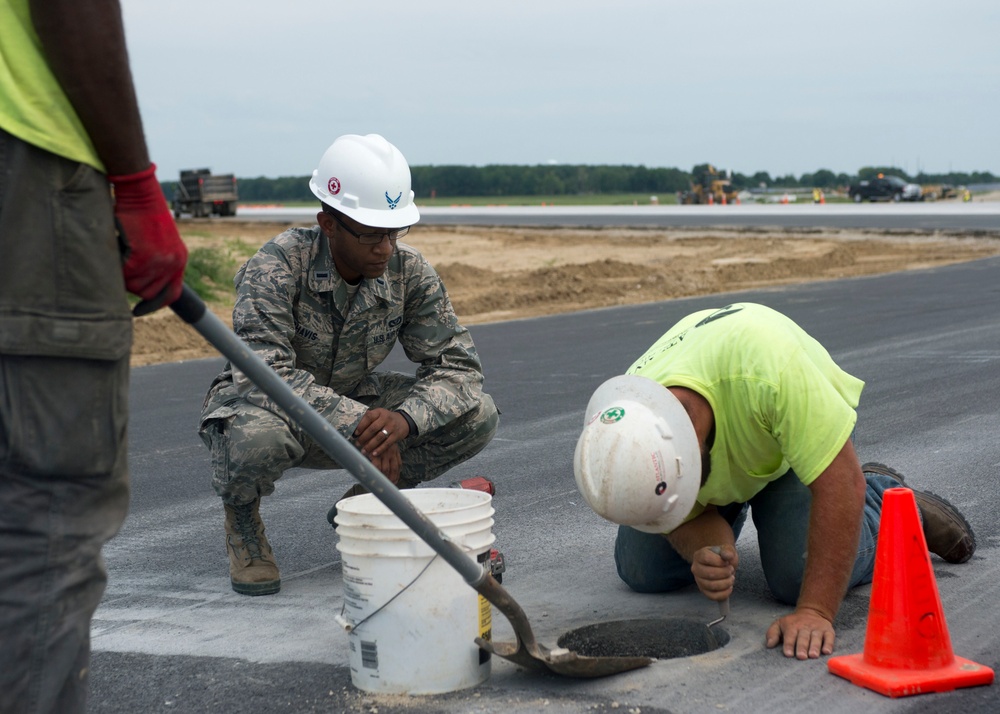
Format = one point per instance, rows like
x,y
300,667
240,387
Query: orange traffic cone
x,y
907,646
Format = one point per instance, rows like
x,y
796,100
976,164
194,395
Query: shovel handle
x,y
191,308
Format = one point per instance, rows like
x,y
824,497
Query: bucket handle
x,y
346,624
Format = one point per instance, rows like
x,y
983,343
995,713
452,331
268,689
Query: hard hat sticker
x,y
333,185
393,202
657,468
612,415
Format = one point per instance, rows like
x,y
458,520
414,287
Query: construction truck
x,y
201,194
933,192
708,186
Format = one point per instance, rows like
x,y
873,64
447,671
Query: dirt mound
x,y
459,276
506,273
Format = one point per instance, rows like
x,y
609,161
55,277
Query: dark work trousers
x,y
65,336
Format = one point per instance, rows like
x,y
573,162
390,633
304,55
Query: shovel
x,y
526,651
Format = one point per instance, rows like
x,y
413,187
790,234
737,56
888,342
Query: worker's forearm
x,y
707,529
834,531
828,565
84,44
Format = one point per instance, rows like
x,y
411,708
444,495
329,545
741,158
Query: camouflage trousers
x,y
252,448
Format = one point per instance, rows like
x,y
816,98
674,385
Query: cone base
x,y
905,682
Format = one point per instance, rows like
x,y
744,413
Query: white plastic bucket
x,y
411,618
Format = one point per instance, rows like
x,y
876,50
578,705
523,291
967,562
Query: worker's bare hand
x,y
715,573
805,634
379,429
389,461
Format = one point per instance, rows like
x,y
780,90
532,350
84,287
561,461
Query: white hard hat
x,y
367,179
637,462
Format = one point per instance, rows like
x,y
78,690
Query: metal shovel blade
x,y
525,651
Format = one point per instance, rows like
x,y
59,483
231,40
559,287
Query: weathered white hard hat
x,y
367,179
637,461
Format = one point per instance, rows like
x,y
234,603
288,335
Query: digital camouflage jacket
x,y
292,310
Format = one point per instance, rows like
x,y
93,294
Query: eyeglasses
x,y
371,238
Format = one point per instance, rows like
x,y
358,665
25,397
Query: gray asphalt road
x,y
945,215
171,636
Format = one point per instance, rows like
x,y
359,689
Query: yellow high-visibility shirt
x,y
778,398
33,106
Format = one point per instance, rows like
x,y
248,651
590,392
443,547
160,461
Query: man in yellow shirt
x,y
70,134
740,410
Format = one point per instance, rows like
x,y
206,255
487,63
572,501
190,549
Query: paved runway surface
x,y
171,636
944,215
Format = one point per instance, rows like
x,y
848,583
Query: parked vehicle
x,y
937,191
884,188
201,194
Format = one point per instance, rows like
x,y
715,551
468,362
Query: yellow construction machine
x,y
708,186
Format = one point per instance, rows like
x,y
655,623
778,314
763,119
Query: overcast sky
x,y
262,87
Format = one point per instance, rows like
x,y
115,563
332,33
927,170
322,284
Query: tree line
x,y
568,179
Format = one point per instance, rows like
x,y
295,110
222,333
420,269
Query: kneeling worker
x,y
324,306
736,410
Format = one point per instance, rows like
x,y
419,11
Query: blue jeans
x,y
649,564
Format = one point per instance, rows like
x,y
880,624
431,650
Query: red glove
x,y
155,254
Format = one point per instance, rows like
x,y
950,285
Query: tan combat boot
x,y
252,567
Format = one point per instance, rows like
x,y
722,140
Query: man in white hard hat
x,y
324,306
736,410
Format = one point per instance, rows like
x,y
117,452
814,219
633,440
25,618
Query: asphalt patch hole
x,y
666,638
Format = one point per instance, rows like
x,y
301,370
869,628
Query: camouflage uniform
x,y
292,308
